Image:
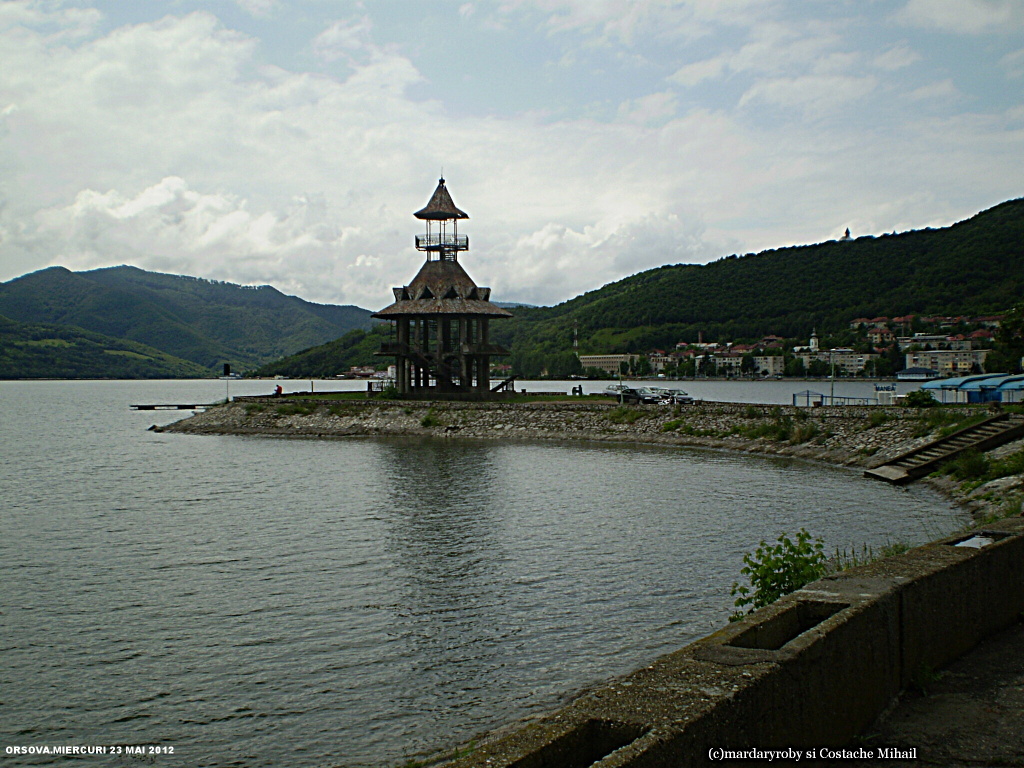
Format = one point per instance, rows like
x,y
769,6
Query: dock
x,y
171,407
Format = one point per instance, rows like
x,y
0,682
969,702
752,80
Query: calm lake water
x,y
269,602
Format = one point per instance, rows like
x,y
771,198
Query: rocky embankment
x,y
846,435
840,435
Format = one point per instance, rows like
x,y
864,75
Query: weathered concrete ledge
x,y
813,670
862,436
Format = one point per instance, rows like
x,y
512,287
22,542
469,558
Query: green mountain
x,y
208,323
975,267
38,351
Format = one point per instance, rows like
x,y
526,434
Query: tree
x,y
747,365
795,367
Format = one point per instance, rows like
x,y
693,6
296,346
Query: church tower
x,y
441,343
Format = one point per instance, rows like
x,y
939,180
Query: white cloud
x,y
943,89
697,72
173,145
1013,63
897,57
259,8
652,108
813,94
344,39
964,16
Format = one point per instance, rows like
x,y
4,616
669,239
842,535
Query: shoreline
x,y
846,436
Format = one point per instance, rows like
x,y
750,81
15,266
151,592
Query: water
x,y
258,602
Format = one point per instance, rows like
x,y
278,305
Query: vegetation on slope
x,y
39,351
206,322
974,267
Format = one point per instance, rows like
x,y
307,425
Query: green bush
x,y
388,393
777,569
920,399
969,465
801,433
624,415
431,420
672,426
877,418
295,409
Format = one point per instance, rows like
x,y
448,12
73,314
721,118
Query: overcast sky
x,y
289,141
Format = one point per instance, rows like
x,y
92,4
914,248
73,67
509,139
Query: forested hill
x,y
973,267
41,351
208,323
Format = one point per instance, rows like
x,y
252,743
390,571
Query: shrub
x,y
920,399
877,418
778,569
969,465
295,409
672,426
430,420
801,433
624,415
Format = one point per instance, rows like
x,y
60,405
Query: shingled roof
x,y
442,288
441,206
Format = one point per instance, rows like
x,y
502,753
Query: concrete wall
x,y
812,670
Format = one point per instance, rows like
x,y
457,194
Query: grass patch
x,y
878,418
672,426
975,469
295,409
431,420
801,433
252,408
624,415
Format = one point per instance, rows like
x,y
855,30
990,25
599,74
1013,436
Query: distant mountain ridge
x,y
202,321
973,267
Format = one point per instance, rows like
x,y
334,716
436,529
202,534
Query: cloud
x,y
943,89
1013,64
652,108
210,235
812,94
964,16
897,57
697,72
259,8
344,39
174,145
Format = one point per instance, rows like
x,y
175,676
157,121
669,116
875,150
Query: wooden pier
x,y
171,407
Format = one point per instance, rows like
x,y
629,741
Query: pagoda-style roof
x,y
441,207
442,288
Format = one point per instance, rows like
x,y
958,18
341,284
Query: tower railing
x,y
437,242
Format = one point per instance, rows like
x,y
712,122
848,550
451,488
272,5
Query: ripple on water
x,y
269,602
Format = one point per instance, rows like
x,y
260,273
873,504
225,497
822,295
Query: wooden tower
x,y
442,318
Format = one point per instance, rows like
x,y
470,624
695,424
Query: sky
x,y
288,142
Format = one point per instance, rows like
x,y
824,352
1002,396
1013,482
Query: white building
x,y
948,362
608,363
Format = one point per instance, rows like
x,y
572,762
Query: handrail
x,y
436,241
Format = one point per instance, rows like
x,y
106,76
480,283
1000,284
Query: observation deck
x,y
439,241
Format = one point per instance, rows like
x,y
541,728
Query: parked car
x,y
644,395
676,397
614,389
